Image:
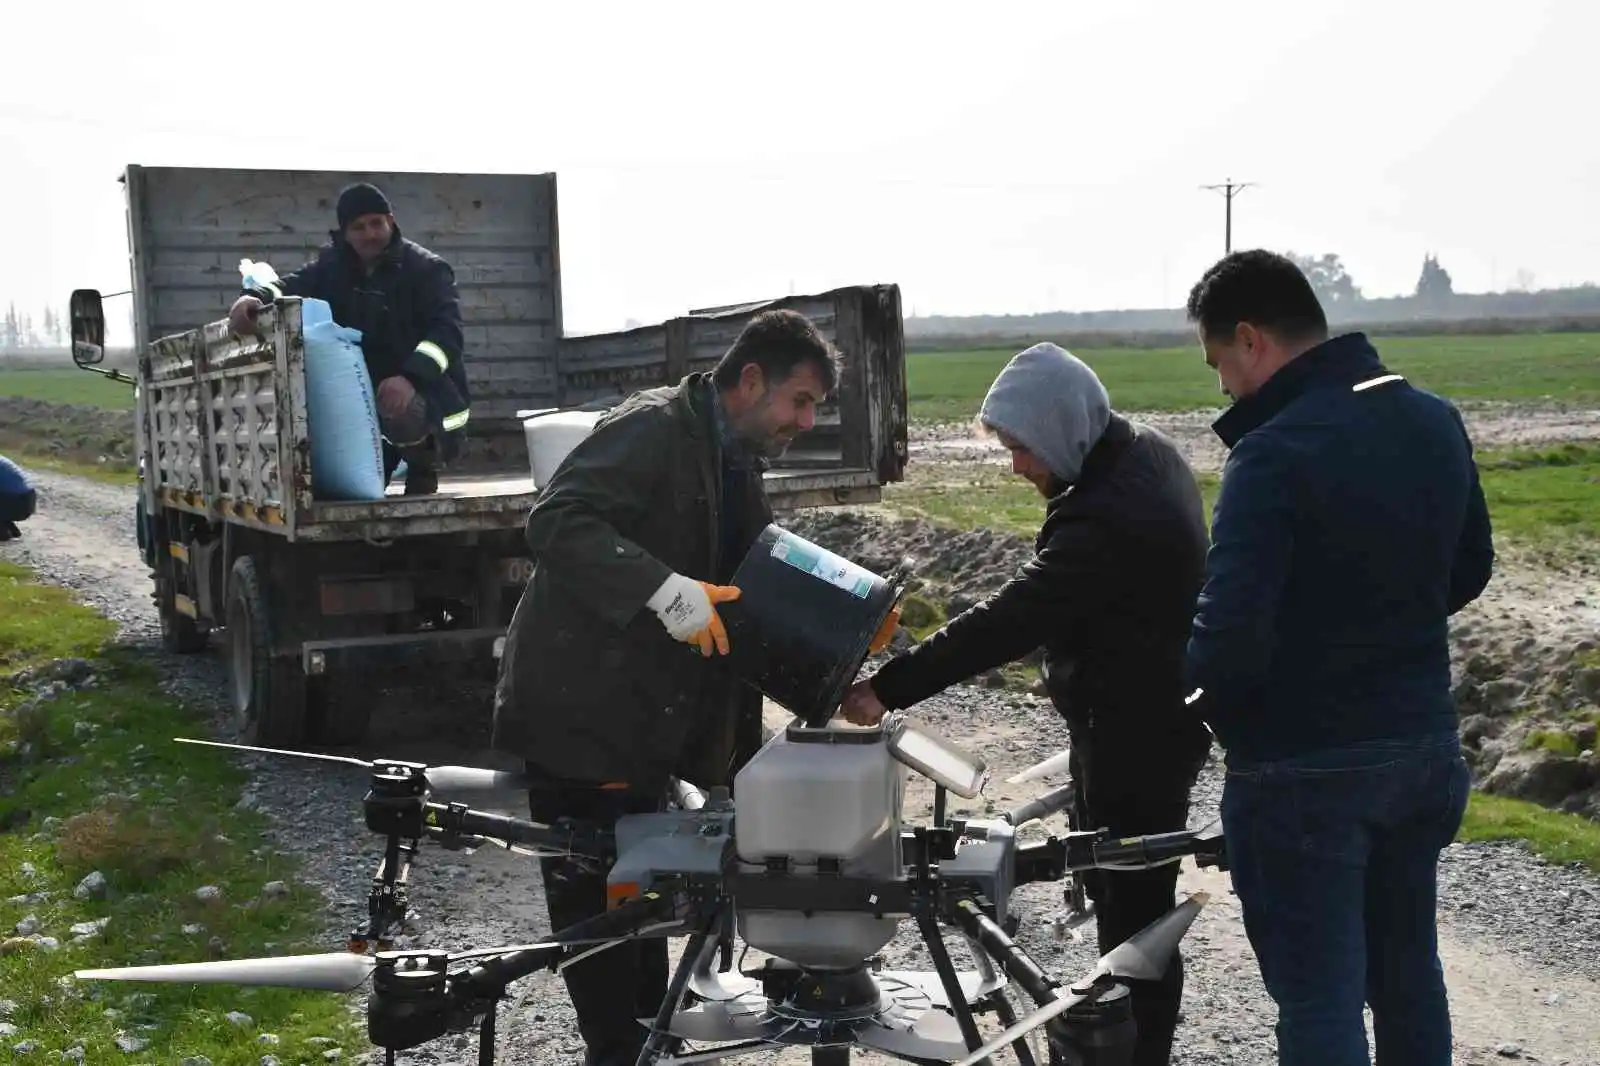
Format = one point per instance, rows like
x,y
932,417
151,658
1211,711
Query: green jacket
x,y
591,687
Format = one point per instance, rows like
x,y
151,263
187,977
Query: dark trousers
x,y
612,990
15,507
417,457
1128,787
1334,857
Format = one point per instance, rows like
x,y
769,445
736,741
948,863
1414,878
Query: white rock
x,y
269,1039
8,1007
93,928
274,890
131,1045
239,1018
207,893
193,930
28,926
91,887
8,1030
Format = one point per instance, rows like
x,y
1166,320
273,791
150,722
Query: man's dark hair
x,y
1262,288
778,341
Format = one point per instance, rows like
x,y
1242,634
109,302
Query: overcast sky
x,y
995,157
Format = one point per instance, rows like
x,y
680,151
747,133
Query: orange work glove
x,y
687,608
885,634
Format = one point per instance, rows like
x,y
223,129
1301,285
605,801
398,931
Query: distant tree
x,y
49,327
1522,280
11,329
1434,285
30,336
1328,277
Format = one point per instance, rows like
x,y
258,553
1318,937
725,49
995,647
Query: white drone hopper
x,y
820,801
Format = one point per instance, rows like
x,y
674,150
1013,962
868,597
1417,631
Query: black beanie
x,y
361,199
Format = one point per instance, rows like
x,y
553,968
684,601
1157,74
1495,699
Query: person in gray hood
x,y
1109,598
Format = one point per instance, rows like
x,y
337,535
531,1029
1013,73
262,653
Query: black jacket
x,y
1350,526
1110,596
591,686
409,316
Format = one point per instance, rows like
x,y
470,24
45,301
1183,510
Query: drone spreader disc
x,y
335,971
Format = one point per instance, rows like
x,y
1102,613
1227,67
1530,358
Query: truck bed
x,y
502,501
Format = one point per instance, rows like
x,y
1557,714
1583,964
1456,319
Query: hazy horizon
x,y
1036,159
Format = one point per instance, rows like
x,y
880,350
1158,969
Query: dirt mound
x,y
68,431
1525,657
1492,425
954,568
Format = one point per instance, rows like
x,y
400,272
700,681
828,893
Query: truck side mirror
x,y
88,327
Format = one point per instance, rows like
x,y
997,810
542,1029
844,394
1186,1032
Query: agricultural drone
x,y
815,870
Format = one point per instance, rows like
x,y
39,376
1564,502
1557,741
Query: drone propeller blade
x,y
348,760
1142,957
1022,1028
1055,764
1145,955
471,778
484,953
338,971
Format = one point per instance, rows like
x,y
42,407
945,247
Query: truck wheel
x,y
268,694
338,710
180,634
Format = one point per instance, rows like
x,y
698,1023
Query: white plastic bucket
x,y
551,435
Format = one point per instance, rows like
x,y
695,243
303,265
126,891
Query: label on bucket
x,y
821,563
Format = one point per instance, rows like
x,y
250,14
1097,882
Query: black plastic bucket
x,y
800,628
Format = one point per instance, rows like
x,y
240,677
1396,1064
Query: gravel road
x,y
1518,935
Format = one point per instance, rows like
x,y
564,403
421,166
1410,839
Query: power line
x,y
1230,189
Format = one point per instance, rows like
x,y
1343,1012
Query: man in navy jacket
x,y
1349,527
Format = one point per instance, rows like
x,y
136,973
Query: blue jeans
x,y
1334,858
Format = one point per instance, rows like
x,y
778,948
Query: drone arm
x,y
1154,849
971,920
458,818
490,977
1055,858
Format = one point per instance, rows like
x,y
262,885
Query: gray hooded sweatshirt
x,y
1052,403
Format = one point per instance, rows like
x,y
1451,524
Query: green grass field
x,y
1549,367
91,781
66,386
948,386
1546,501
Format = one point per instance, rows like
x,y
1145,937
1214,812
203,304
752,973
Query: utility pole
x,y
1229,190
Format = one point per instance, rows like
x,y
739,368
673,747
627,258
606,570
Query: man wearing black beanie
x,y
402,298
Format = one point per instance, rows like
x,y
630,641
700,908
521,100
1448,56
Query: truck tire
x,y
338,710
268,694
180,634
